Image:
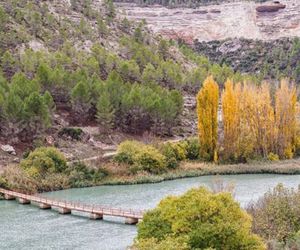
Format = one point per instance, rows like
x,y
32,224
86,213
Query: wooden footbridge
x,y
96,212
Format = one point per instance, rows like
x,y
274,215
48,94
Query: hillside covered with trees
x,y
98,67
271,60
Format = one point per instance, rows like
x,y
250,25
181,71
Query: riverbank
x,y
196,169
120,174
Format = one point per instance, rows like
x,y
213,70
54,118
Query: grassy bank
x,y
118,174
196,169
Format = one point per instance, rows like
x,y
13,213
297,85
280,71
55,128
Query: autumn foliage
x,y
255,122
207,110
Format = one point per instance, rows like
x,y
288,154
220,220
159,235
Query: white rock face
x,y
217,22
8,149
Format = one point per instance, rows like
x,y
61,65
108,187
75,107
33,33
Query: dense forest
x,y
98,67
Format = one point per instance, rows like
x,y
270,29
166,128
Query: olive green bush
x,y
44,160
79,175
141,156
199,219
276,215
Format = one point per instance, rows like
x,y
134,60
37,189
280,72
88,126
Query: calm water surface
x,y
27,227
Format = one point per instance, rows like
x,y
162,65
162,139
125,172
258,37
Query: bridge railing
x,y
77,206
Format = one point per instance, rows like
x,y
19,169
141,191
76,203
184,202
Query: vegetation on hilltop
x,y
180,3
102,69
269,59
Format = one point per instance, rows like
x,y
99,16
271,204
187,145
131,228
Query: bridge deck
x,y
76,206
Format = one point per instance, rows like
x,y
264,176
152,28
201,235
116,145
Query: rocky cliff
x,y
218,22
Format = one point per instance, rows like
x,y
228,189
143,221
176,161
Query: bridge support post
x,y
94,216
63,210
131,221
24,201
44,206
9,197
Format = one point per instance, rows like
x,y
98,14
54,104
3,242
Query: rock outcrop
x,y
270,8
245,19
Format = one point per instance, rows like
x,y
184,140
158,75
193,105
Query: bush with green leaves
x,y
74,133
199,219
43,161
79,175
141,156
192,149
276,215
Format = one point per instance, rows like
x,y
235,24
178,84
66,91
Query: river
x,y
27,227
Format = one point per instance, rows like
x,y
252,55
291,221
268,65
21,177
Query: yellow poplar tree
x,y
246,138
207,110
231,118
264,119
286,124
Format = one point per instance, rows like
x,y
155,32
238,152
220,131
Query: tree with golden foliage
x,y
264,118
231,118
286,124
248,118
207,110
255,124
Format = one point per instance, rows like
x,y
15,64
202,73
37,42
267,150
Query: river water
x,y
27,227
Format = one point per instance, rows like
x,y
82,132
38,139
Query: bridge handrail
x,y
105,210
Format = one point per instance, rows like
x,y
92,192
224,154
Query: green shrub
x,y
44,160
82,176
180,150
174,153
192,149
199,219
277,214
150,159
127,150
74,133
171,159
141,156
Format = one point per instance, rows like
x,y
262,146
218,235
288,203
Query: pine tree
x,y
207,110
81,100
102,27
163,49
110,10
105,113
48,99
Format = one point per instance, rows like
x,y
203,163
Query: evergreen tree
x,y
48,99
110,10
36,111
81,100
163,49
102,27
3,19
105,113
